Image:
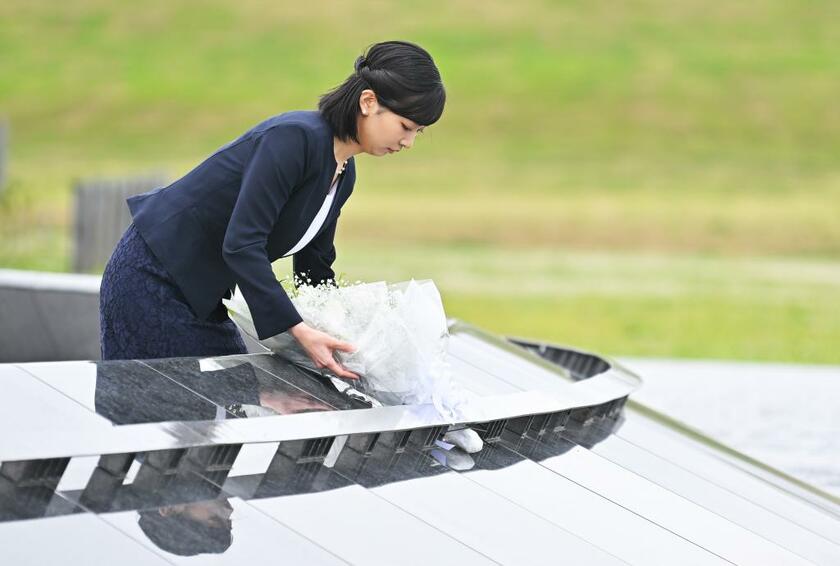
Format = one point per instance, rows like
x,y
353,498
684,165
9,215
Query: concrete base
x,y
53,317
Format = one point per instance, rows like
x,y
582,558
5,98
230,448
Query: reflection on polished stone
x,y
303,378
18,503
238,385
124,392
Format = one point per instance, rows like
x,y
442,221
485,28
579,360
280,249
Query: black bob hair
x,y
401,74
182,535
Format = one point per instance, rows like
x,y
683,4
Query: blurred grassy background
x,y
641,178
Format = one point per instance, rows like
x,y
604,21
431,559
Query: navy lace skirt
x,y
143,314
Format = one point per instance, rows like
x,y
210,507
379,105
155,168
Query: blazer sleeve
x,y
313,264
276,167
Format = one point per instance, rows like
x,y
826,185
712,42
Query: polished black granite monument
x,y
256,457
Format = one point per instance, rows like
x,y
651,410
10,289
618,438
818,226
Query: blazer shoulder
x,y
311,123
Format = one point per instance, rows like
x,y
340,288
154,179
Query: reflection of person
x,y
190,528
143,396
291,402
276,190
132,397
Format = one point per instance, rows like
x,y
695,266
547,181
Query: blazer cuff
x,y
268,327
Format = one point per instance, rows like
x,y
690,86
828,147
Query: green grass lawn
x,y
625,303
603,175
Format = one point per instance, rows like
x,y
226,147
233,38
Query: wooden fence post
x,y
101,217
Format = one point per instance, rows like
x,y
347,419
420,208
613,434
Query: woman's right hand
x,y
319,346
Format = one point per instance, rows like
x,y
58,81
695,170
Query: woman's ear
x,y
368,103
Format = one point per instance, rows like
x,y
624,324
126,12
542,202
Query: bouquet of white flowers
x,y
399,331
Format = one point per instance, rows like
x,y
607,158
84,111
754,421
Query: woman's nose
x,y
407,142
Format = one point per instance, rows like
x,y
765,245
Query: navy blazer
x,y
224,222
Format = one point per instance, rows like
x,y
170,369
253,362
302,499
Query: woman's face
x,y
380,131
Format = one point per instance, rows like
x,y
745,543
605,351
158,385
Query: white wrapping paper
x,y
399,331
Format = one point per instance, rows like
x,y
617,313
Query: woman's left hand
x,y
320,348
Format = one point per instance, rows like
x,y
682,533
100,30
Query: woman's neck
x,y
345,150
